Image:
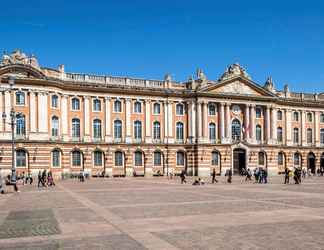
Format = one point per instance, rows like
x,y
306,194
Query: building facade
x,y
67,122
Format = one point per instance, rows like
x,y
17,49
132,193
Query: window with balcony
x,y
156,130
279,135
179,131
296,135
309,134
76,128
97,129
20,125
55,126
138,130
212,131
117,129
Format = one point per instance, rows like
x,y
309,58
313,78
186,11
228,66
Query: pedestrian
x,y
30,178
229,177
50,179
40,179
183,177
287,172
10,183
256,175
248,175
214,176
265,176
296,178
1,184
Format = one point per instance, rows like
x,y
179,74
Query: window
x,y
280,159
75,104
118,158
296,116
212,131
258,133
54,101
138,158
279,115
279,134
97,128
96,105
215,158
179,109
117,106
322,118
322,136
55,126
21,158
156,130
179,131
138,130
56,158
296,135
97,158
76,158
212,109
309,117
309,136
117,129
258,112
137,107
20,98
236,130
261,158
296,159
157,158
156,108
20,125
75,128
180,159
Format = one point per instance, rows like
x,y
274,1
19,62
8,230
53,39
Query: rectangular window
x,y
97,158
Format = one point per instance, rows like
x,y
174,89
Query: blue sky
x,y
147,39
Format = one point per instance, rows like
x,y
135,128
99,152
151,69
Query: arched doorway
x,y
311,162
239,161
236,130
322,163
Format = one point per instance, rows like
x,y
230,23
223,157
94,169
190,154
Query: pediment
x,y
22,71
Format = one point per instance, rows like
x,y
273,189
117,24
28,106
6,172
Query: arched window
x,y
279,115
156,130
296,135
261,159
97,128
309,135
296,116
212,109
20,98
55,126
309,117
117,129
258,133
76,158
138,130
97,158
280,159
56,158
138,158
119,158
20,125
75,128
156,108
117,106
179,109
21,158
322,136
96,105
279,134
236,129
137,107
180,159
179,132
322,118
157,158
75,104
258,112
215,158
296,159
212,131
54,101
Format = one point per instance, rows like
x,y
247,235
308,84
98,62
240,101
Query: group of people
x,y
45,179
260,175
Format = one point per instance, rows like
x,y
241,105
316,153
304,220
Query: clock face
x,y
236,109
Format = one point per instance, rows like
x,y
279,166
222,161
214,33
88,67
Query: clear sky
x,y
147,39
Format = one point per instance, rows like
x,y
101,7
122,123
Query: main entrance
x,y
239,161
311,162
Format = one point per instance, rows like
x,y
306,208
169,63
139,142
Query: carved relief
x,y
237,88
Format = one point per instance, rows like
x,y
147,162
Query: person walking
x,y
229,177
248,175
183,177
296,178
40,180
214,176
1,184
287,172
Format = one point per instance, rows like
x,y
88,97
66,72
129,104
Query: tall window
x,y
75,128
296,116
21,158
117,106
97,128
212,109
322,118
322,136
296,159
309,135
258,133
180,159
309,117
75,104
179,109
157,158
258,112
279,134
156,108
96,105
55,126
296,135
261,158
215,158
117,129
156,130
76,158
279,115
137,107
20,125
56,158
138,130
179,132
54,101
236,129
97,158
119,158
212,131
20,98
138,158
280,159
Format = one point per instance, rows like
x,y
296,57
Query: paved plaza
x,y
156,213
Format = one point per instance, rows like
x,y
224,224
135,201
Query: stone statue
x,y
234,70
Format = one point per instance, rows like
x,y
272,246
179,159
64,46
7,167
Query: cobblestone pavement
x,y
156,213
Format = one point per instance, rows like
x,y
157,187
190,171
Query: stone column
x,y
205,121
222,122
170,119
166,120
228,122
199,117
268,124
252,123
274,125
108,136
148,125
42,114
316,129
288,131
247,122
7,110
193,121
64,117
2,124
303,128
86,118
128,123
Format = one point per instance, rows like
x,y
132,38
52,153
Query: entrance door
x,y
239,161
311,163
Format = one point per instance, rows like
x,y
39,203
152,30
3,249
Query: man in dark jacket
x,y
214,176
